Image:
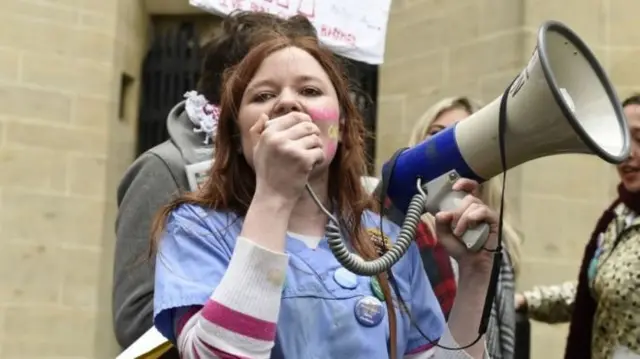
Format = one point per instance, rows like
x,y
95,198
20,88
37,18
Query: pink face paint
x,y
324,115
328,120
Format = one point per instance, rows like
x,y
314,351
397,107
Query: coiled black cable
x,y
355,263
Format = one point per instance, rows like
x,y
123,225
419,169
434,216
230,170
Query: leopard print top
x,y
614,277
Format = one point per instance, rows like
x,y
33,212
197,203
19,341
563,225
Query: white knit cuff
x,y
447,340
253,281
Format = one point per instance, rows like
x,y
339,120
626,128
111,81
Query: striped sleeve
x,y
239,319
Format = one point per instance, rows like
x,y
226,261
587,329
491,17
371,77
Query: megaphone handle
x,y
441,197
473,238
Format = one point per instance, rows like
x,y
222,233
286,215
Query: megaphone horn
x,y
561,102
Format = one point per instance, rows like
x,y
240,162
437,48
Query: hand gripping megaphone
x,y
561,102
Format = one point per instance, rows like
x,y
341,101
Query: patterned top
x,y
614,277
501,331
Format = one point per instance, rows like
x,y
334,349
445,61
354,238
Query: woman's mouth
x,y
629,169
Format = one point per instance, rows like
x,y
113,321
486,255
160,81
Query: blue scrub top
x,y
317,316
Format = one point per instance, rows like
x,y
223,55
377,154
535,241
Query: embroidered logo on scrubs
x,y
380,240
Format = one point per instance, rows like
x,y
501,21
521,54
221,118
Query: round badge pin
x,y
345,279
376,289
369,311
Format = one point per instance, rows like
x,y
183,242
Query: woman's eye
x,y
310,91
263,97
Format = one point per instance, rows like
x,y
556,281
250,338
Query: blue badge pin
x,y
369,311
345,279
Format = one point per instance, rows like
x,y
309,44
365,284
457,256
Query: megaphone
x,y
560,103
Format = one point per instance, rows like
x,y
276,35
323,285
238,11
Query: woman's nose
x,y
635,149
287,102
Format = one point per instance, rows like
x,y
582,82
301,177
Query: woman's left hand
x,y
470,213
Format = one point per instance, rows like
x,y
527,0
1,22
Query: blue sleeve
x,y
425,308
193,255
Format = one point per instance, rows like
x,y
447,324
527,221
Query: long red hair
x,y
231,183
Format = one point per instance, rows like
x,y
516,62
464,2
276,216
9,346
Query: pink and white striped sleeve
x,y
239,319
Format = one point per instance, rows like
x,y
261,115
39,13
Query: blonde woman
x,y
442,270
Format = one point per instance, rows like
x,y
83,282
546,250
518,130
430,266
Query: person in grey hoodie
x,y
175,166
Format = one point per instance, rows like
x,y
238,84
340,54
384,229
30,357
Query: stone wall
x,y
62,144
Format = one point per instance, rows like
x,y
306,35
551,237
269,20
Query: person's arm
x,y
465,317
238,317
145,188
463,321
551,304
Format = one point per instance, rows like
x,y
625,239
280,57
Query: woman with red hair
x,y
243,269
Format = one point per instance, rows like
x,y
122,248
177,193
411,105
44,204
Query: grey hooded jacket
x,y
147,185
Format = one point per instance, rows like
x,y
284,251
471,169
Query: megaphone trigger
x,y
441,197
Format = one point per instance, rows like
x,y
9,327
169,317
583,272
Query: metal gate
x,y
364,82
172,67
